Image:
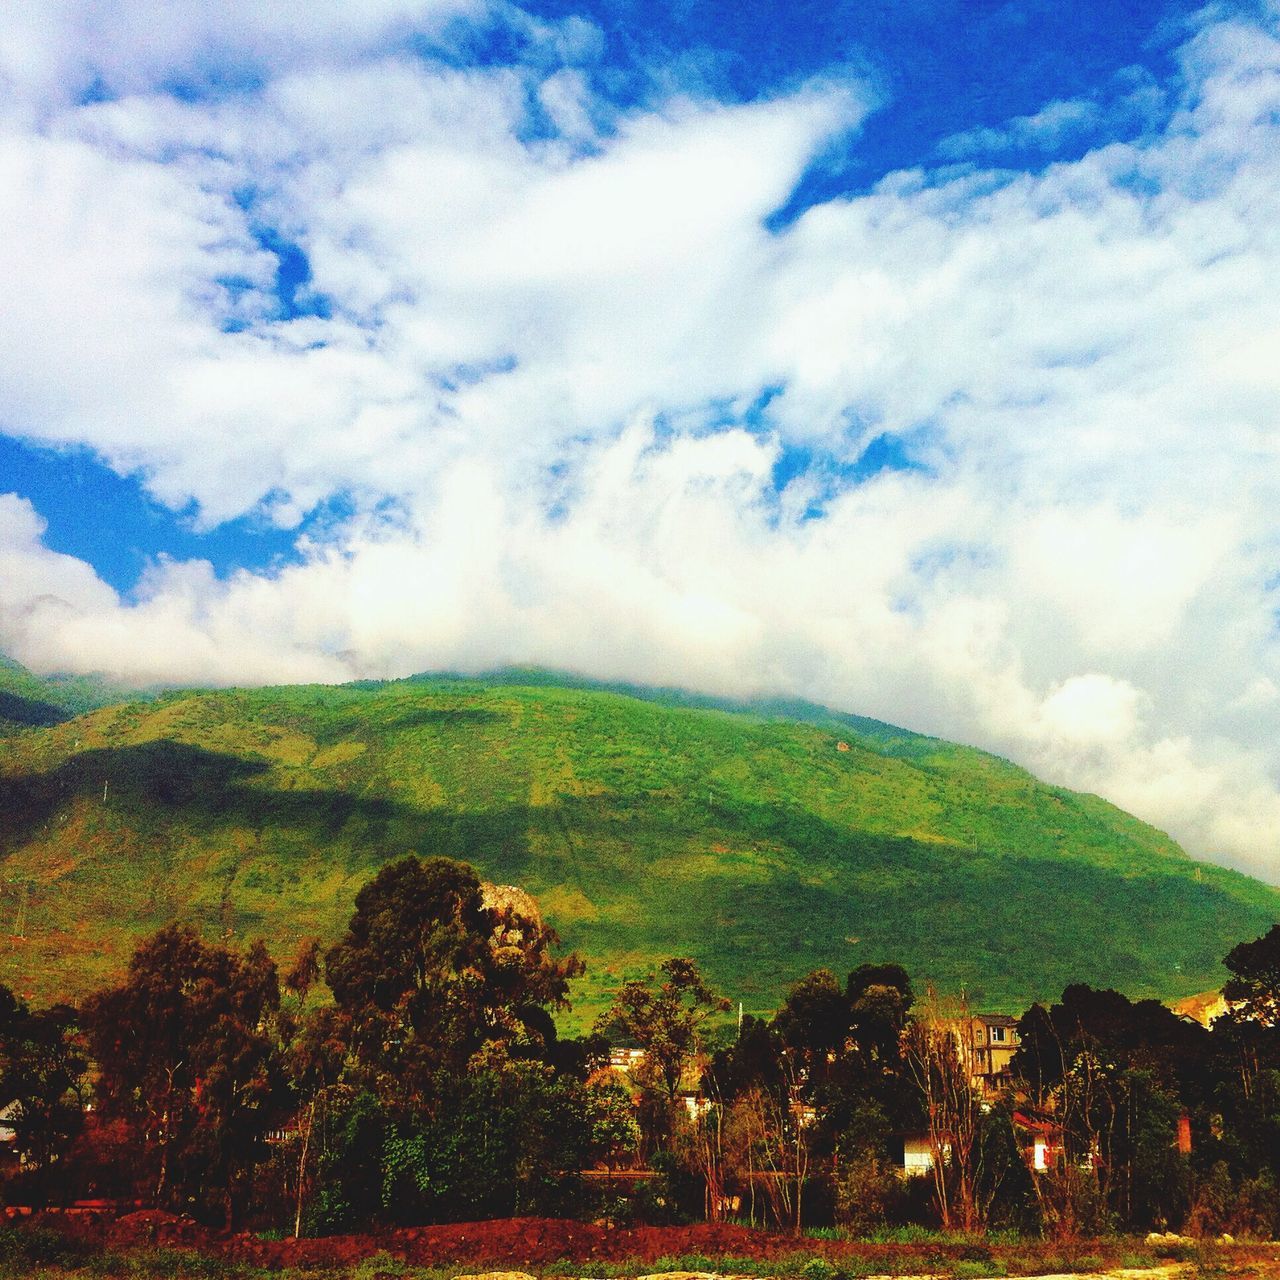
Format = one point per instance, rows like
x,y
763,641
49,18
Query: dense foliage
x,y
430,1085
743,838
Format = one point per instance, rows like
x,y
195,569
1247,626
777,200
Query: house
x,y
625,1060
993,1040
917,1155
695,1103
917,1152
1203,1008
1043,1145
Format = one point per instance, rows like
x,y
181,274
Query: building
x,y
917,1155
625,1060
1044,1147
993,1040
695,1103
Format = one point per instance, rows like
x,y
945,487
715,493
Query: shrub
x,y
972,1269
868,1192
24,1248
819,1269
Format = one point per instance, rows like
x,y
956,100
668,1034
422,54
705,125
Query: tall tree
x,y
665,1018
953,1112
428,975
1114,1075
1254,984
184,1053
813,1023
42,1080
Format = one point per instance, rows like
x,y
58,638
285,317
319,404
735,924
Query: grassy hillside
x,y
646,827
29,701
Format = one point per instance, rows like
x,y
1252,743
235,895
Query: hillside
x,y
747,837
30,701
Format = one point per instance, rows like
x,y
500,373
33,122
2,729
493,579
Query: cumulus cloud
x,y
555,356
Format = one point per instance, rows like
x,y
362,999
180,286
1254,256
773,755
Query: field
x,y
763,840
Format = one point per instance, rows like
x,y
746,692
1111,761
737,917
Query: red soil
x,y
509,1243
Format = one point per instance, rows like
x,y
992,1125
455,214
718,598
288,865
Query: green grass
x,y
24,1259
645,826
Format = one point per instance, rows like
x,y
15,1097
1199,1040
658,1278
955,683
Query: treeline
x,y
412,1073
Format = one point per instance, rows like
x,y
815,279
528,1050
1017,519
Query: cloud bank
x,y
986,452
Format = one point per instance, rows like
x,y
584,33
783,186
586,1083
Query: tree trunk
x,y
302,1168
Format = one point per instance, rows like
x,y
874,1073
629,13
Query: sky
x,y
921,358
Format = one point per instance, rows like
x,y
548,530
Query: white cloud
x,y
546,318
1045,130
53,51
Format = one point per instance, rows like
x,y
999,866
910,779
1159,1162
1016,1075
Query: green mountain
x,y
763,839
30,701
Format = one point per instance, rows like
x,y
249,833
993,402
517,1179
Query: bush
x,y
24,1248
819,1269
868,1193
1256,1211
971,1269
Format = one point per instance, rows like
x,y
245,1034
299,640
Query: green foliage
x,y
24,1248
819,1269
742,839
965,1269
350,1183
159,1263
43,1084
868,1192
663,1018
428,975
30,701
1254,984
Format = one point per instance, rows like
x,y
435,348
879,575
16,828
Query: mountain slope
x,y
31,701
749,838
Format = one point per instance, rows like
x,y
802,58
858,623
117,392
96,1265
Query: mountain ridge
x,y
760,844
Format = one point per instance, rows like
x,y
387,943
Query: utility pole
x,y
20,921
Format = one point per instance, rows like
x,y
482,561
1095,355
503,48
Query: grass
x,y
1029,1259
646,826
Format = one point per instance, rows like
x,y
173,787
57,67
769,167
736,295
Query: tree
x,y
868,1094
42,1076
184,1054
780,1129
879,997
953,1113
428,975
1254,984
314,1048
813,1023
665,1021
1115,1076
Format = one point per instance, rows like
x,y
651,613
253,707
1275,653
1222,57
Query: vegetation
x,y
433,1087
29,701
744,838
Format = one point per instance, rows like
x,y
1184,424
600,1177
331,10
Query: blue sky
x,y
917,358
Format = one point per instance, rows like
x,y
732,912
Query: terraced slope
x,y
749,838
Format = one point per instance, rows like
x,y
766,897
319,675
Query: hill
x,y
763,839
30,701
